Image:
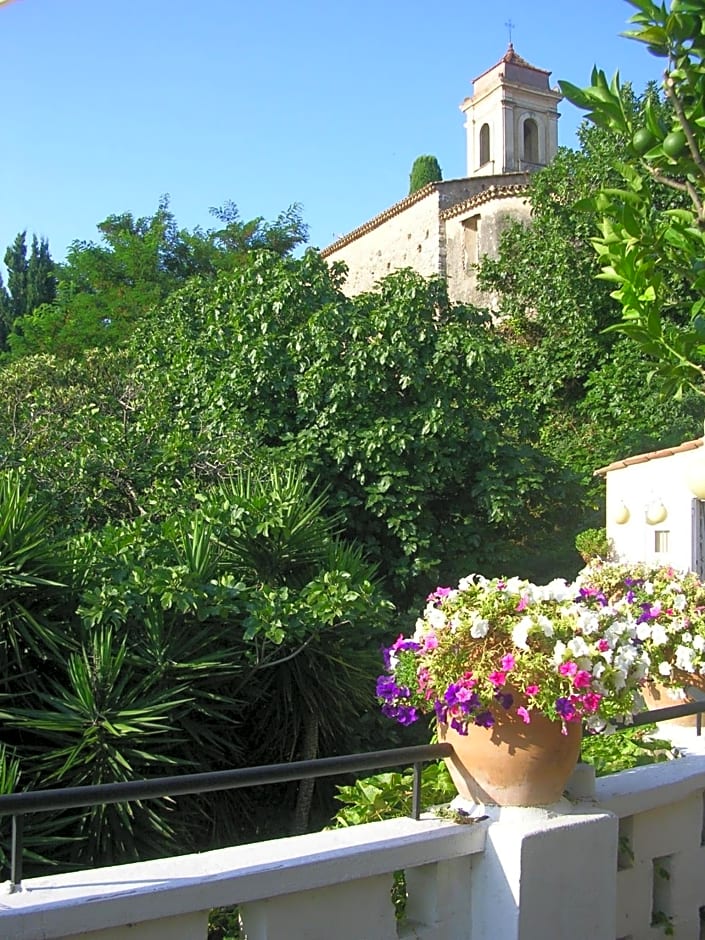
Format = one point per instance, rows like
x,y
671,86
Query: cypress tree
x,y
16,264
5,319
426,169
41,281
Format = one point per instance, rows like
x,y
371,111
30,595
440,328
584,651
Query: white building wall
x,y
641,487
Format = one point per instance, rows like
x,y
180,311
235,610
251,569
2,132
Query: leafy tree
x,y
585,387
650,252
425,169
105,288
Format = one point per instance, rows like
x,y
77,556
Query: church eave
x,y
381,218
486,195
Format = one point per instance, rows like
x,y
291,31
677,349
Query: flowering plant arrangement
x,y
666,608
492,646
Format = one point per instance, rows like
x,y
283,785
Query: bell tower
x,y
511,119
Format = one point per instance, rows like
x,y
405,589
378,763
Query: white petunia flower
x,y
643,630
515,586
436,618
479,628
520,633
546,625
664,669
684,659
578,647
658,635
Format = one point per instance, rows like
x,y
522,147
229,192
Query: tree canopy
x,y
426,169
650,247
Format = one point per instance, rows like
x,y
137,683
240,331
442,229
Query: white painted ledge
x,y
64,905
655,785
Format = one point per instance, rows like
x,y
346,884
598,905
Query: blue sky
x,y
108,104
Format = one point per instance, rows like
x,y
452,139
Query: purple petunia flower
x,y
388,690
484,719
566,709
505,699
404,714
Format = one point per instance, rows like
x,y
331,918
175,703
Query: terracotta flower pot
x,y
513,763
657,695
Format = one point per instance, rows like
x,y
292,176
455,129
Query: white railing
x,y
626,861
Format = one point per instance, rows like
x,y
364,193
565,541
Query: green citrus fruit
x,y
674,144
643,140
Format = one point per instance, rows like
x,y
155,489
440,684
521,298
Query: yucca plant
x,y
314,618
29,587
104,722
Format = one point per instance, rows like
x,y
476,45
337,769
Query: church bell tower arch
x,y
511,119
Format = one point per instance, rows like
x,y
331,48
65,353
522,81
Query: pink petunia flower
x,y
524,715
531,690
497,678
582,679
591,702
568,669
508,662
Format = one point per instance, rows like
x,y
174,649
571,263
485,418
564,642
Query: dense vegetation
x,y
223,484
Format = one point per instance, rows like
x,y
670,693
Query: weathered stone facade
x,y
447,227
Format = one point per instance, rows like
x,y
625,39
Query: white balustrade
x,y
625,864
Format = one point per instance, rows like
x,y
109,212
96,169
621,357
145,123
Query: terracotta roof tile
x,y
513,58
652,455
378,220
484,195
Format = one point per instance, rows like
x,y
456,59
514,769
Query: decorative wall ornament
x,y
656,512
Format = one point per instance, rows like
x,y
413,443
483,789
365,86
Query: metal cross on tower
x,y
510,26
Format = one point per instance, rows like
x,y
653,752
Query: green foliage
x,y
586,389
592,544
105,288
630,747
241,632
387,795
31,282
28,589
650,251
425,169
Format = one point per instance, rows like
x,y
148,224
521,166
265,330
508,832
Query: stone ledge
x,y
62,905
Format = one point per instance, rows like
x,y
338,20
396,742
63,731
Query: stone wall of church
x,y
471,236
408,239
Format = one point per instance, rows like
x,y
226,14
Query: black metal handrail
x,y
17,805
36,801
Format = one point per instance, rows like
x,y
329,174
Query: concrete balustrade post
x,y
546,873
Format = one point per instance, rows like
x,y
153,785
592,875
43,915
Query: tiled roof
x,y
378,220
511,57
486,195
652,455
